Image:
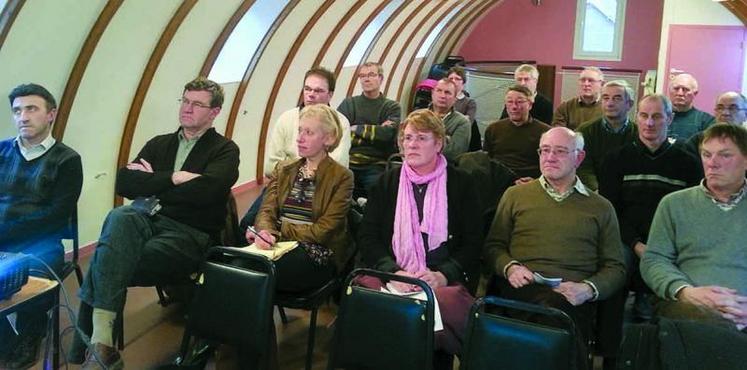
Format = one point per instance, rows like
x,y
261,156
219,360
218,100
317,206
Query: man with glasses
x,y
636,176
374,120
527,75
731,108
586,106
40,182
457,125
555,228
180,183
608,132
318,87
688,120
513,141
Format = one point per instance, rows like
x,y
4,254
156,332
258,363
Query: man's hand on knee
x,y
710,296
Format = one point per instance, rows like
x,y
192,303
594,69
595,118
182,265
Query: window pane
x,y
2,4
244,40
356,53
599,26
432,37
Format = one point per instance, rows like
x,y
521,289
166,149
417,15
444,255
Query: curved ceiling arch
x,y
217,47
278,81
145,80
472,22
428,17
357,36
79,69
414,53
453,23
367,54
8,16
738,8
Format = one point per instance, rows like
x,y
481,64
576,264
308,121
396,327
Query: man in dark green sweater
x,y
609,132
40,181
190,172
373,125
555,227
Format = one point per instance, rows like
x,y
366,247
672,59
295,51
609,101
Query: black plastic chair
x,y
514,344
233,305
378,330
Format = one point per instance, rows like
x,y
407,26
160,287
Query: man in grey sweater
x,y
695,260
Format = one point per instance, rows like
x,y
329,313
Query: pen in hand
x,y
256,233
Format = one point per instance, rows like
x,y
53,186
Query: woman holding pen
x,y
307,200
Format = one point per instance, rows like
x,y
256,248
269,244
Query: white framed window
x,y
599,29
437,30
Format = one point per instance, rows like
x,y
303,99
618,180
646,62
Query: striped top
x,y
297,206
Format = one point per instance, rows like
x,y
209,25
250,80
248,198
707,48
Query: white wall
x,y
700,12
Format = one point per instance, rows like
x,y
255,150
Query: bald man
x,y
688,120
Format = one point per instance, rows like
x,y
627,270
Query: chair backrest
x,y
378,330
514,344
234,304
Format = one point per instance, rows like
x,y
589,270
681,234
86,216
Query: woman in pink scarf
x,y
422,220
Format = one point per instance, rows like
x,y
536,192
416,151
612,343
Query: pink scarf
x,y
407,241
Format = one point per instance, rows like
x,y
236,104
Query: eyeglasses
x,y
369,75
420,139
193,104
558,152
308,89
732,108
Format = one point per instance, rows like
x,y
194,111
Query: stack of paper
x,y
278,249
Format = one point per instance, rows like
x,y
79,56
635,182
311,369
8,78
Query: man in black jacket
x,y
190,172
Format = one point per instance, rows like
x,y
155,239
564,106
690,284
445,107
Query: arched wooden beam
x,y
244,84
279,81
7,16
472,22
463,24
374,41
145,81
224,35
357,35
417,48
460,21
738,8
408,40
332,35
79,68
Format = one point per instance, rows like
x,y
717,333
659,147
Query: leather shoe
x,y
100,356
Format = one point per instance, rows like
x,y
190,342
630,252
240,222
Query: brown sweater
x,y
575,239
516,146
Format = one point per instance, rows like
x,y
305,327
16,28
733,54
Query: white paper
x,y
438,324
12,320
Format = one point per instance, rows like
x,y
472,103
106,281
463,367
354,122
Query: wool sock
x,y
103,324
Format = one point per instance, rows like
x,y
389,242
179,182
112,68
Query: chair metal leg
x,y
119,331
78,274
310,345
283,317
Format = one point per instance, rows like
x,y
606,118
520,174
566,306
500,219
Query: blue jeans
x,y
365,177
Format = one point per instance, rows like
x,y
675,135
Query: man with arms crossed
x,y
374,120
191,172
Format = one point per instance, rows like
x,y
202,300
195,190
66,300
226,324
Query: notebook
x,y
274,254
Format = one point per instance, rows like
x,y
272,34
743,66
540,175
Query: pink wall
x,y
518,30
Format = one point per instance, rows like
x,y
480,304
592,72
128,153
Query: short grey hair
x,y
622,84
595,70
661,98
578,138
528,68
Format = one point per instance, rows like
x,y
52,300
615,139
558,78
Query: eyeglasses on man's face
x,y
368,75
731,108
193,103
557,152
